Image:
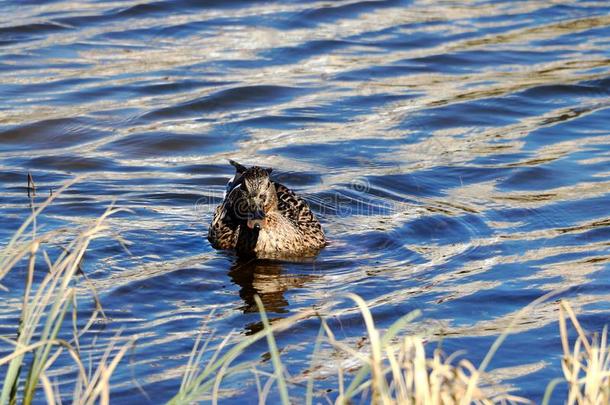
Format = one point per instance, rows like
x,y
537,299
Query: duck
x,y
261,218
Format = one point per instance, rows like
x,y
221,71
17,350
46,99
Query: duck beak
x,y
257,221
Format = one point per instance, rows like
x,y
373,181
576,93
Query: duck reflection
x,y
269,280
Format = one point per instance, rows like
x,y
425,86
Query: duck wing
x,y
299,213
223,230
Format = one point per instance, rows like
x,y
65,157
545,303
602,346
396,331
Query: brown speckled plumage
x,y
264,219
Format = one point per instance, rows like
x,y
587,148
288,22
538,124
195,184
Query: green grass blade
x,y
309,391
548,392
275,354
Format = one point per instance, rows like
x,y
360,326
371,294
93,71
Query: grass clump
x,y
47,304
398,370
585,364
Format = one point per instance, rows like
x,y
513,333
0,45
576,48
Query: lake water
x,y
457,154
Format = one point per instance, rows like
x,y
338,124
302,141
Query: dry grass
x,y
401,373
46,305
394,368
585,364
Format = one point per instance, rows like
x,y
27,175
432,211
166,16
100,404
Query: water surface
x,y
457,153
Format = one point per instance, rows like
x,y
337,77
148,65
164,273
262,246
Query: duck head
x,y
251,195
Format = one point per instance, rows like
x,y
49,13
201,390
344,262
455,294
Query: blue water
x,y
457,154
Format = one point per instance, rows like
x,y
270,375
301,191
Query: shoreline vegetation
x,y
393,367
